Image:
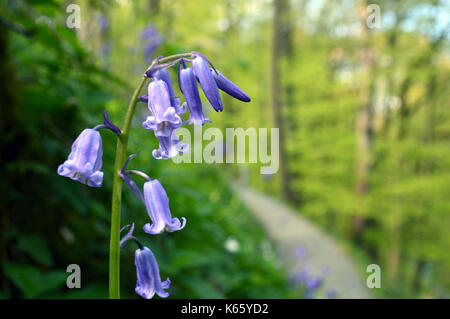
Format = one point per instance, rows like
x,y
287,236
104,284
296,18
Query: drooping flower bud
x,y
229,87
207,82
85,159
148,277
188,86
157,204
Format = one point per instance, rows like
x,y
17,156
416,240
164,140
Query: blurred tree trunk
x,y
363,123
392,88
289,89
428,134
281,49
423,60
154,6
11,141
431,96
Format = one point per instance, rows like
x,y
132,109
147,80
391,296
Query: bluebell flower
x,y
150,48
164,116
106,49
188,86
149,32
229,87
301,276
148,277
313,283
151,39
309,282
301,252
207,82
163,74
85,159
155,200
169,144
164,121
157,204
103,23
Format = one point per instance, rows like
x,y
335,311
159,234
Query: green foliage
x,y
31,281
36,248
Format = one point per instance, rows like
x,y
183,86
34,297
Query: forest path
x,y
301,244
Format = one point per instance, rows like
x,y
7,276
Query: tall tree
x,y
281,49
364,119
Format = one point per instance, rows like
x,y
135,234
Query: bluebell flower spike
x,y
151,40
157,204
85,159
148,276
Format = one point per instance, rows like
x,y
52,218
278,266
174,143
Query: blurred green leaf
x,y
202,288
37,248
32,281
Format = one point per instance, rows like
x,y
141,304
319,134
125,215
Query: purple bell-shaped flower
x,y
207,82
85,159
164,116
157,204
148,277
188,86
169,144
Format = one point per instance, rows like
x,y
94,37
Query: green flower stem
x,y
121,150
